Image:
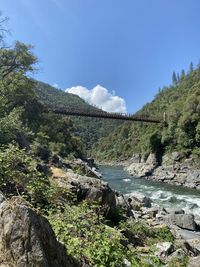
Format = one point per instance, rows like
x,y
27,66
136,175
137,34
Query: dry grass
x,y
57,172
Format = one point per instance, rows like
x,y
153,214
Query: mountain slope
x,y
181,102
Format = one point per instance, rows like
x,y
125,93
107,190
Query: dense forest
x,y
181,103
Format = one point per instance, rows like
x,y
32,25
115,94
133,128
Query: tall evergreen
x,y
174,78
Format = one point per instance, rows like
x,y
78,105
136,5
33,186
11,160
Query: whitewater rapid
x,y
162,194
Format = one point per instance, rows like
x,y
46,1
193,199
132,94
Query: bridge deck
x,y
105,115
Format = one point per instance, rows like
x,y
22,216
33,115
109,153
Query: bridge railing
x,y
107,115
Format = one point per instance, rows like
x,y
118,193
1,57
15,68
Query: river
x,y
162,194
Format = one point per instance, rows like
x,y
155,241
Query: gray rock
x,y
145,201
193,176
179,253
190,185
185,221
136,158
152,212
180,233
88,188
194,245
194,262
28,240
152,160
164,249
189,161
176,156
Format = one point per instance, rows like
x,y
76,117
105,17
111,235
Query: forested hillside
x,y
88,129
181,102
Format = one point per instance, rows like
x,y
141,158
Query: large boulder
x,y
177,156
185,221
164,249
27,239
141,169
139,199
86,188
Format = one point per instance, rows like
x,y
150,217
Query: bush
x,y
19,170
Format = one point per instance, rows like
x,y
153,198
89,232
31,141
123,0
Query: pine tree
x,y
174,78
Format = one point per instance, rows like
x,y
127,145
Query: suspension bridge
x,y
108,115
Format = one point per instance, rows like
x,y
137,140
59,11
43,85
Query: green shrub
x,y
84,235
19,170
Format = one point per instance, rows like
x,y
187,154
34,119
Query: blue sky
x,y
115,48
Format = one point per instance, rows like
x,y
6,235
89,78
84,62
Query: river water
x,y
162,194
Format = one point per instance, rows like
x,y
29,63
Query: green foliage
x,y
145,234
19,169
85,236
19,59
150,143
89,239
10,124
163,234
181,102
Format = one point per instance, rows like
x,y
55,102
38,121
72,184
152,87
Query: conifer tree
x,y
174,78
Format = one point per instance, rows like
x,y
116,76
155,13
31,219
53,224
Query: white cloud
x,y
100,97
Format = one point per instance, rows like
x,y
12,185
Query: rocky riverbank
x,y
157,236
185,228
175,169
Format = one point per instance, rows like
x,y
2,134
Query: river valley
x,y
162,194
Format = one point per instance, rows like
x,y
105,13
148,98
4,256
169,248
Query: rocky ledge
x,y
175,169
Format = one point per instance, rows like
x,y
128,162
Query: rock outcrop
x,y
185,221
27,239
176,169
141,168
86,188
